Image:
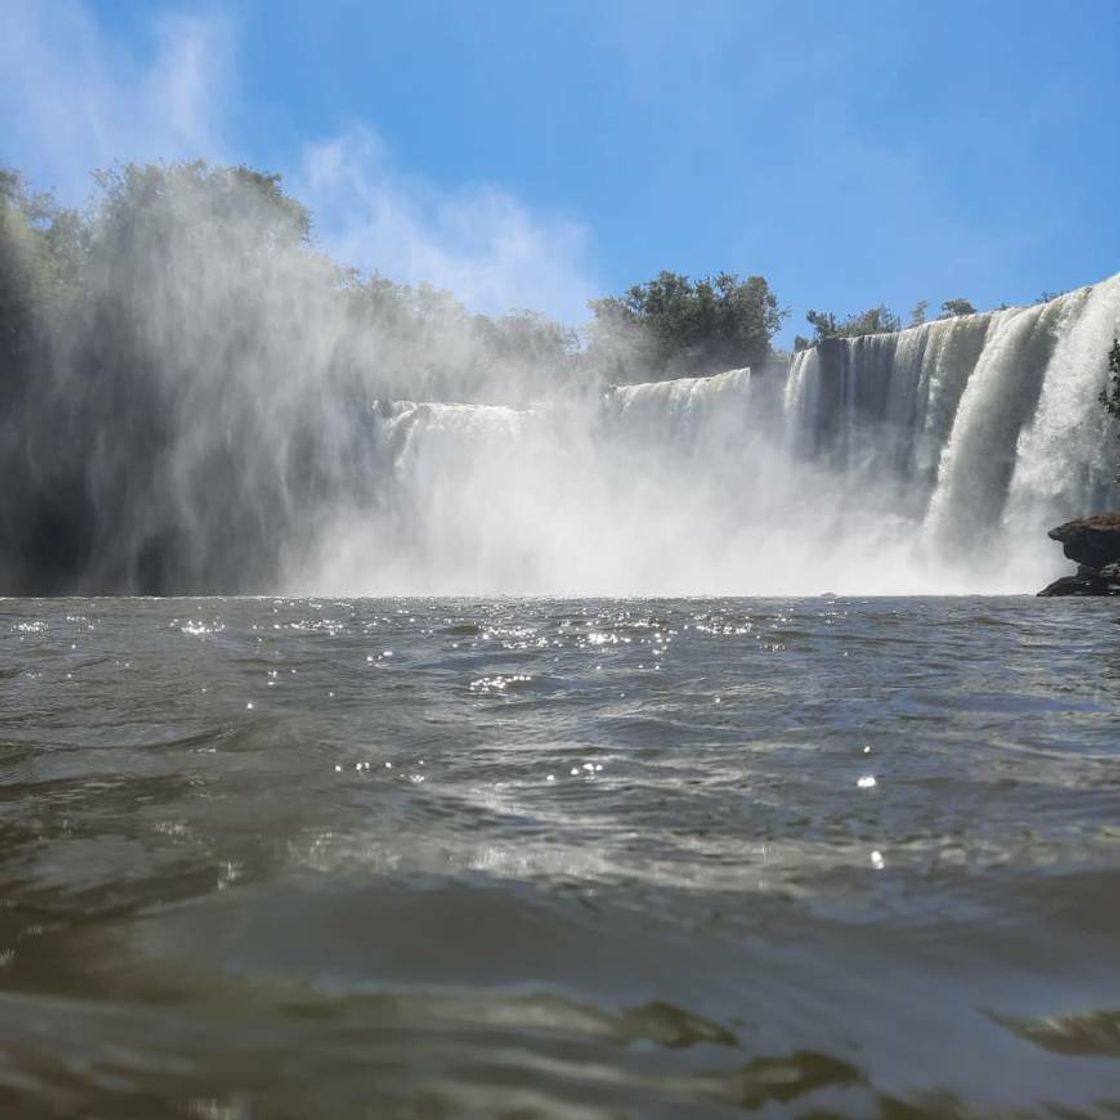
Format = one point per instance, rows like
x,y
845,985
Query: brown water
x,y
577,860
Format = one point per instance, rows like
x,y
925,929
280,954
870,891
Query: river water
x,y
569,859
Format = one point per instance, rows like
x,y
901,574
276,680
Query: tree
x,y
527,337
875,320
952,308
824,323
672,326
42,247
918,315
192,190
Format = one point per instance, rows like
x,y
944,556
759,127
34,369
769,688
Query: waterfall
x,y
682,408
1000,395
928,460
1058,465
991,421
414,434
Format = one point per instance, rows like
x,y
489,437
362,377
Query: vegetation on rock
x,y
875,320
57,265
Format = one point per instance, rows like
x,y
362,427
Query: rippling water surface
x,y
574,859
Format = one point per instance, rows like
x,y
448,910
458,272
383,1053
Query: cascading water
x,y
929,460
1059,467
999,398
684,413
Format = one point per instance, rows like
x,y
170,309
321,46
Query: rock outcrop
x,y
1094,542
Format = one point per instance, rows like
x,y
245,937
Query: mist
x,y
191,377
200,399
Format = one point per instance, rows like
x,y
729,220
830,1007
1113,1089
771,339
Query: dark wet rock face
x,y
1094,542
1081,584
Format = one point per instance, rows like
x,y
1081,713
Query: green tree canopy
x,y
951,308
875,320
672,326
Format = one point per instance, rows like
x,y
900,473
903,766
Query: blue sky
x,y
540,152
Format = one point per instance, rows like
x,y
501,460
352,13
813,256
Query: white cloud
x,y
480,242
74,99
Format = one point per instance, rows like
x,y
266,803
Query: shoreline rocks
x,y
1094,542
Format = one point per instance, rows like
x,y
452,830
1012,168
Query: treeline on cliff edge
x,y
54,264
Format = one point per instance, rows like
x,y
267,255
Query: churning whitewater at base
x,y
925,461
